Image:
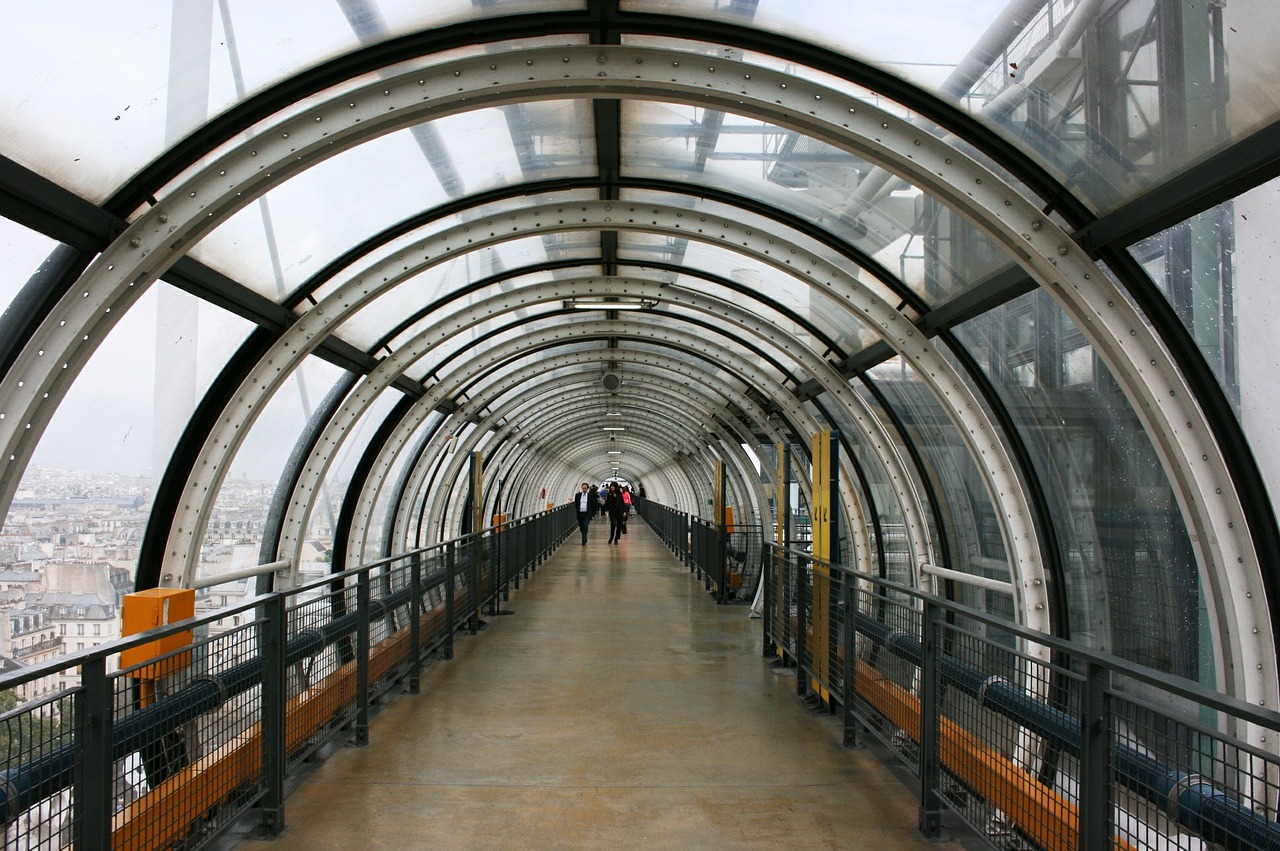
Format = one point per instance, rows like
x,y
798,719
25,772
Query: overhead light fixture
x,y
614,452
614,428
610,303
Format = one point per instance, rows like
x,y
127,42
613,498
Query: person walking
x,y
617,511
587,506
626,498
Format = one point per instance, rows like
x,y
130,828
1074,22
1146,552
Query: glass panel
x,y
167,340
1194,265
91,93
974,541
234,535
813,305
1218,270
936,253
368,327
892,538
327,209
553,243
1131,586
339,475
21,253
1111,97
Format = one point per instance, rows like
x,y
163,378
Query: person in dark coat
x,y
617,511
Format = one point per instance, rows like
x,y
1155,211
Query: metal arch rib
x,y
951,390
674,386
1161,397
518,378
532,392
871,428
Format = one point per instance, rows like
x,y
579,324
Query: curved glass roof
x,y
988,241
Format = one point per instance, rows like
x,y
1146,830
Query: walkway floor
x,y
619,708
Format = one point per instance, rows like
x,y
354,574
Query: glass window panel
x,y
366,328
379,323
1131,585
110,435
974,541
21,253
443,357
552,243
1112,98
339,475
1218,270
91,89
892,538
932,251
1194,264
813,305
246,493
115,390
320,213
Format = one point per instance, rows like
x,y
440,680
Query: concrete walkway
x,y
618,708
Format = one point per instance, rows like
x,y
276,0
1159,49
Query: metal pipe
x,y
966,578
1189,799
246,573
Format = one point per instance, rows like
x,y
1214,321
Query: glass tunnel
x,y
280,278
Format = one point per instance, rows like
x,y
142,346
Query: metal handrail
x,y
1190,800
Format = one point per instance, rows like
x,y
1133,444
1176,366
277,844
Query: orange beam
x,y
1040,812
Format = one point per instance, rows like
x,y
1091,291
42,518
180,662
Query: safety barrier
x,y
101,763
727,560
1036,742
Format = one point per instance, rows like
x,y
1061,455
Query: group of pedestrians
x,y
614,501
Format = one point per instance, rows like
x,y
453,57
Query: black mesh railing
x,y
1035,742
728,559
171,752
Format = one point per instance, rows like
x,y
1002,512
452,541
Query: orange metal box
x,y
155,607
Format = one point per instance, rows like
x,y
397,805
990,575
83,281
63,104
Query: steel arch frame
x,y
873,432
1191,457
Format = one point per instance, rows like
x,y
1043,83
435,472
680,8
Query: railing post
x,y
930,696
788,592
415,621
802,679
849,670
476,601
274,637
92,778
766,609
722,561
450,587
520,534
362,659
1095,829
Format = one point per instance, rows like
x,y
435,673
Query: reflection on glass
x,y
890,544
1131,586
974,542
1112,98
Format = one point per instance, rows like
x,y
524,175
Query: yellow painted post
x,y
819,619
